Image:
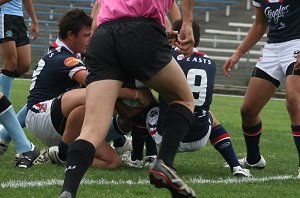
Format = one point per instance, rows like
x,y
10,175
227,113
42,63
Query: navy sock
x,y
63,149
138,139
175,124
80,157
119,141
220,139
252,137
296,135
151,148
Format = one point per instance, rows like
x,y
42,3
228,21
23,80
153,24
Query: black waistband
x,y
128,19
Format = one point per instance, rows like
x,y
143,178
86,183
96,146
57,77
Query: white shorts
x,y
276,57
38,121
151,123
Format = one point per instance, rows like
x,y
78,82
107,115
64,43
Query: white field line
x,y
236,96
54,182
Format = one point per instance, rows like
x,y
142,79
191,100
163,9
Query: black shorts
x,y
127,48
258,73
13,28
58,119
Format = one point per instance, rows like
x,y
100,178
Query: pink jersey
x,y
116,9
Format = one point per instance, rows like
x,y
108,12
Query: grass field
x,y
203,170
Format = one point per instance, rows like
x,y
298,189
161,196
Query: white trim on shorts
x,y
276,57
40,124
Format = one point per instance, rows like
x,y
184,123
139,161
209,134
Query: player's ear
x,y
70,35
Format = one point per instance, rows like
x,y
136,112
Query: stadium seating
x,y
206,9
231,16
227,3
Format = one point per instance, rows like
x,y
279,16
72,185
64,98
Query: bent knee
x,y
248,112
293,103
115,163
111,163
23,69
187,103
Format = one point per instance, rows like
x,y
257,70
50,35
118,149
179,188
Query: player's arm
x,y
94,14
175,15
168,24
144,96
128,93
80,77
175,12
255,33
34,21
4,1
186,40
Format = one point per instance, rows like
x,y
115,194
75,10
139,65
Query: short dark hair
x,y
73,21
196,30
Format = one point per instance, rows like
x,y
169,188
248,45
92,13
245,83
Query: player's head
x,y
176,26
75,30
72,22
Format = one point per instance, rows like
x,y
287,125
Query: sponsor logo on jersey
x,y
72,61
199,60
275,15
194,59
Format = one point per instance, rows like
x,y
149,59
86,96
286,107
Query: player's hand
x,y
172,37
230,62
297,63
125,111
34,30
144,96
185,41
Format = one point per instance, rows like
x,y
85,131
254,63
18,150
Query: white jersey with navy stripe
x,y
13,7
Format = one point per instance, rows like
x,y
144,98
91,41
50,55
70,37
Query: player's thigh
x,y
258,93
292,86
100,102
24,58
172,85
72,99
9,55
292,83
293,97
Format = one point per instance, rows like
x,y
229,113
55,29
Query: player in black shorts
x,y
14,41
16,56
127,45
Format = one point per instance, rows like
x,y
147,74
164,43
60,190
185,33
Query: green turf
x,y
277,146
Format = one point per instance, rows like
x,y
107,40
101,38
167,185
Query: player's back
x,y
200,73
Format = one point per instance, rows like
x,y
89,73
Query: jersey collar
x,y
59,43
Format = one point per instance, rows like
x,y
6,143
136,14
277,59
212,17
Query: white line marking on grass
x,y
239,96
54,182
